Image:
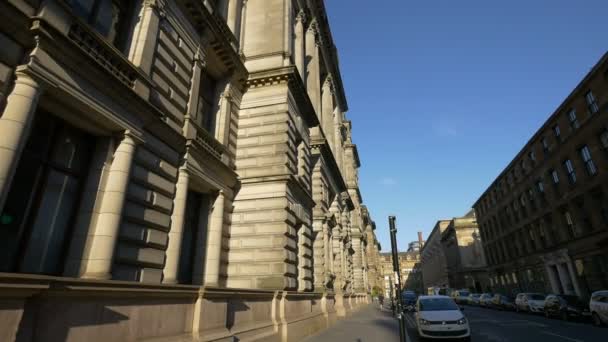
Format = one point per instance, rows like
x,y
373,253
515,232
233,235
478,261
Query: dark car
x,y
566,307
409,299
502,302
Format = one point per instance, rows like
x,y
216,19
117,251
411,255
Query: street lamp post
x,y
400,311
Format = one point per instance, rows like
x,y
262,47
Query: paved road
x,y
503,326
370,324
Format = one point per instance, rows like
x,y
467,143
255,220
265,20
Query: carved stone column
x,y
313,79
214,244
15,125
145,35
300,45
327,108
99,248
177,228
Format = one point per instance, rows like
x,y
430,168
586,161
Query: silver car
x,y
599,307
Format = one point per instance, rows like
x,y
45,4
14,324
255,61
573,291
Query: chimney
x,y
420,239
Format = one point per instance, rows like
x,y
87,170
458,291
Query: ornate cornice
x,y
290,76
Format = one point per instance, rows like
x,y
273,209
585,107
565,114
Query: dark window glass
x,y
44,197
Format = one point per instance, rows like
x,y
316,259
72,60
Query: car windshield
x,y
536,297
437,304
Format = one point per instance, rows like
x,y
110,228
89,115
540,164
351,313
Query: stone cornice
x,y
291,77
214,28
355,153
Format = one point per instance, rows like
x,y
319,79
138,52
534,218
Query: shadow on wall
x,y
234,306
112,319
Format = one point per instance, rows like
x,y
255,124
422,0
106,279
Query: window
x,y
554,176
591,103
532,156
570,224
570,170
540,186
545,144
196,215
44,197
589,164
111,18
208,105
522,200
557,132
572,118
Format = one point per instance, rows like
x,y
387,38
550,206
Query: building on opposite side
x,y
544,219
433,260
463,250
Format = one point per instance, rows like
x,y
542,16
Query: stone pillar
x,y
313,78
15,125
214,242
300,46
564,278
320,266
177,228
327,108
574,278
99,249
243,24
232,18
145,35
358,284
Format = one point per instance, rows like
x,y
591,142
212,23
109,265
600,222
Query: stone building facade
x,y
409,268
544,220
176,161
433,260
466,264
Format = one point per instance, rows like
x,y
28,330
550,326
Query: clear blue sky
x,y
444,93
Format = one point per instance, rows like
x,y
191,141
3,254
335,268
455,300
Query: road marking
x,y
564,337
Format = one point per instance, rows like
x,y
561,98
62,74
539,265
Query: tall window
x,y
43,198
196,219
208,104
532,156
111,18
571,229
591,103
540,186
557,132
572,118
545,144
589,164
554,176
570,171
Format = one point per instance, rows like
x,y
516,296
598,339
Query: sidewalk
x,y
367,325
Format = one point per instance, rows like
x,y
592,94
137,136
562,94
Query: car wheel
x,y
597,321
564,315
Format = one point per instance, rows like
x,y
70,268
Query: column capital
x,y
131,138
301,17
329,83
157,5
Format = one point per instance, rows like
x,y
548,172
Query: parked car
x,y
460,296
409,299
566,307
598,305
502,302
530,302
473,299
440,317
485,299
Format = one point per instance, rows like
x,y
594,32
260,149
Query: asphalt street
x,y
504,326
372,324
